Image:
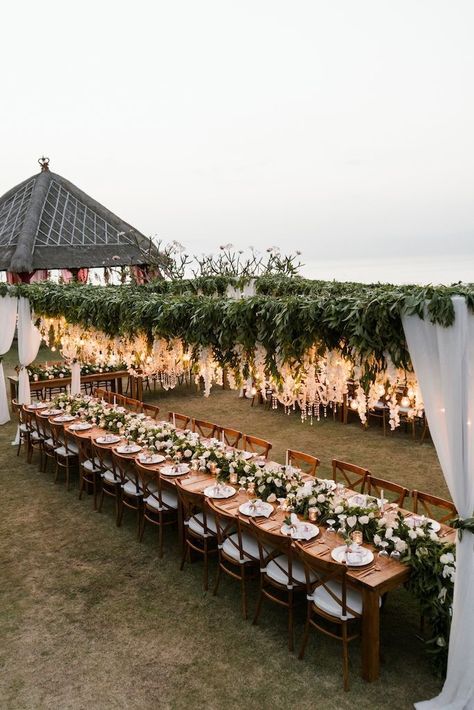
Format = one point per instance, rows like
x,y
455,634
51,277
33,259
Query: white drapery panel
x,y
29,340
8,309
443,359
75,378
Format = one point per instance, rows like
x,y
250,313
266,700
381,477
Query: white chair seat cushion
x,y
35,436
24,428
279,572
109,476
169,499
49,442
196,524
130,489
324,601
61,451
249,547
91,464
72,447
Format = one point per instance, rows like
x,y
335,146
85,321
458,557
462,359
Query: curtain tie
x,y
462,524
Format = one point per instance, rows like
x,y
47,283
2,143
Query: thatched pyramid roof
x,y
46,222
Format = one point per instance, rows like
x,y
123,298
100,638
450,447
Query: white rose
x,y
338,509
321,498
352,520
188,453
401,545
377,540
446,558
271,498
389,533
412,534
363,519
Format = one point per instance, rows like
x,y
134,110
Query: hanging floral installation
x,y
309,345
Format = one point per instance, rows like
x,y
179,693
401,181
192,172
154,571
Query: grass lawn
x,y
90,618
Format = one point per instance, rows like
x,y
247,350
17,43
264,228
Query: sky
x,y
343,129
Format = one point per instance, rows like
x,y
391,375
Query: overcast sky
x,y
344,128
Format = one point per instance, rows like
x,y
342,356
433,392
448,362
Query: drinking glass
x,y
331,527
383,552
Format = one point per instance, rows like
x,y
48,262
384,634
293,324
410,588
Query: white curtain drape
x,y
8,309
75,378
443,359
29,340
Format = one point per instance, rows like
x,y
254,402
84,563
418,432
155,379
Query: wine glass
x,y
395,555
331,523
383,552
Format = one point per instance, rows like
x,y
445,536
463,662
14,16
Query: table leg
x,y
370,634
119,386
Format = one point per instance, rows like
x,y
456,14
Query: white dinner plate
x,y
256,509
300,531
129,449
109,439
414,521
352,559
64,418
219,491
150,459
246,455
179,470
80,426
38,405
51,412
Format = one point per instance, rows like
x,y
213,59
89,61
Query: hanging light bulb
x,y
405,402
410,392
353,404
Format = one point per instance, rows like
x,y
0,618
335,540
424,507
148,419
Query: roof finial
x,y
44,162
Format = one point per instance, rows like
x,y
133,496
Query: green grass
x,y
91,618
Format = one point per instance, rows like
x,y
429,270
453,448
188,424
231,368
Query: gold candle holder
x,y
357,537
312,514
233,479
251,489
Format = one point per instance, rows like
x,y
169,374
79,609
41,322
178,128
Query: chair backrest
x,y
17,409
228,525
425,503
353,477
151,483
180,421
151,410
395,492
231,437
133,404
208,430
44,427
29,419
70,438
103,452
125,469
272,544
306,462
84,444
256,445
191,503
57,433
326,574
99,392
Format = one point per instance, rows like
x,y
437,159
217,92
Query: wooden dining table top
x,y
382,573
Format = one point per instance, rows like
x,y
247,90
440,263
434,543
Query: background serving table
x,y
115,379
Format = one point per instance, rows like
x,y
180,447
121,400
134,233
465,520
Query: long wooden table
x,y
115,379
372,582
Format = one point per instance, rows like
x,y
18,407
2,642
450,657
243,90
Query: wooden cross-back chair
x,y
65,452
208,430
393,492
237,551
231,437
117,400
151,410
433,507
44,428
101,393
353,477
110,480
281,573
180,421
305,462
199,528
160,502
22,428
330,603
132,492
34,440
89,468
256,445
134,405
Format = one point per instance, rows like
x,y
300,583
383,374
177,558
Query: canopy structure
x,y
46,222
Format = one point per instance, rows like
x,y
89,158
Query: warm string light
x,y
318,382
